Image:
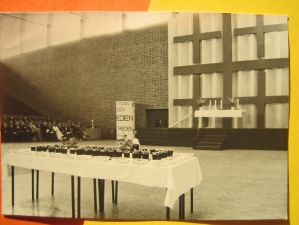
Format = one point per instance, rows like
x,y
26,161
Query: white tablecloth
x,y
219,113
178,178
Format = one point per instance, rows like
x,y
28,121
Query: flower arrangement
x,y
125,144
200,101
70,143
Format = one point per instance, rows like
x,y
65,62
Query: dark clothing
x,y
17,133
51,134
158,124
5,133
78,134
67,132
43,130
26,133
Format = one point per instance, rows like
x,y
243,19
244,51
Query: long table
x,y
177,179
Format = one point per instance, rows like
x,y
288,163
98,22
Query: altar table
x,y
177,179
219,113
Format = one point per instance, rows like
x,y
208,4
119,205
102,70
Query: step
x,y
208,143
206,147
211,139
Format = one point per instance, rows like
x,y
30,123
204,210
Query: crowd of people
x,y
25,130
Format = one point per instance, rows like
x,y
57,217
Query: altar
x,y
213,117
219,113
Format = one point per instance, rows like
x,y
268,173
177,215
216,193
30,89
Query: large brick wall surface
x,y
82,80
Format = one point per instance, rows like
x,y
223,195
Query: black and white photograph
x,y
144,115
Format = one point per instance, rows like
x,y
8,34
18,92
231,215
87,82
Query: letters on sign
x,y
124,118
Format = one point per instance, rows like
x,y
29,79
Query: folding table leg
x,y
112,187
95,194
182,207
191,201
32,183
12,185
167,213
79,197
52,190
37,183
102,195
100,190
73,195
116,192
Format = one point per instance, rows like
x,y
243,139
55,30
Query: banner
x,y
125,119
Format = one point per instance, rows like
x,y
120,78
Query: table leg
x,y
52,191
167,213
95,194
112,187
73,196
99,189
182,207
116,192
37,183
79,197
191,201
102,195
12,185
32,183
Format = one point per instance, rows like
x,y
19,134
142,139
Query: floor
x,y
236,185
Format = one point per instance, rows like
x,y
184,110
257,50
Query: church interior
x,y
214,85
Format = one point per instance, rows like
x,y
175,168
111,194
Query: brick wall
x,y
82,80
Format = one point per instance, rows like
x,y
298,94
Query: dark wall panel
x,y
82,80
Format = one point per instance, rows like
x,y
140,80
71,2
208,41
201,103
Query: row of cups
x,y
157,154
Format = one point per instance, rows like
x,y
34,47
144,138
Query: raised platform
x,y
167,136
261,139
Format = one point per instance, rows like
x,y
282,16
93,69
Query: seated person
x,y
135,141
5,132
50,133
17,132
67,132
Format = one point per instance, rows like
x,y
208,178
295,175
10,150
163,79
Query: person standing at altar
x,y
158,124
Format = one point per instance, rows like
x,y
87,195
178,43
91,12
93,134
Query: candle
x,y
210,105
215,104
221,104
237,103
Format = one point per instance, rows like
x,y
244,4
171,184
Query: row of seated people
x,y
25,130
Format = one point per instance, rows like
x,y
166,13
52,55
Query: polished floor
x,y
236,185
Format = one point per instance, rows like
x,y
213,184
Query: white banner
x,y
125,119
